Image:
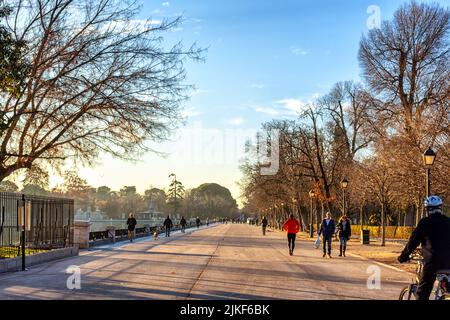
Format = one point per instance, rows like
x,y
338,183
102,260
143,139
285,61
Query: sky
x,y
265,60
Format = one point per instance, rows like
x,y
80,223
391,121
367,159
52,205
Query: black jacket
x,y
183,222
433,234
264,222
327,230
131,222
168,223
344,233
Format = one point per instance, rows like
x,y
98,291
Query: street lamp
x,y
428,160
311,229
344,185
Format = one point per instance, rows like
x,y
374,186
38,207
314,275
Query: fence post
x,y
81,234
23,232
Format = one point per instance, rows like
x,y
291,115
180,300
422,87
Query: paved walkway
x,y
231,261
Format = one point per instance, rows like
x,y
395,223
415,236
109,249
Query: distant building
x,y
87,215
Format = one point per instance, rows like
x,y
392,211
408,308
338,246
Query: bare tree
x,y
406,63
100,81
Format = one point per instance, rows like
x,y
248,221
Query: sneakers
x,y
340,255
324,255
290,252
329,256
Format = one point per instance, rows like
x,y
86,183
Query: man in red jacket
x,y
292,226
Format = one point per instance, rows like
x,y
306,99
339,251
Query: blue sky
x,y
265,60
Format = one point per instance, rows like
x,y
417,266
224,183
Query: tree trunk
x,y
361,222
383,225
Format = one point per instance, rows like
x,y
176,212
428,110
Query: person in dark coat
x,y
433,234
131,222
168,225
264,225
197,221
344,233
327,229
183,224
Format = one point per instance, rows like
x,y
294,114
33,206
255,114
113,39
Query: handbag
x,y
317,242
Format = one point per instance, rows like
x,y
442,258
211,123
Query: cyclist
x,y
292,226
433,233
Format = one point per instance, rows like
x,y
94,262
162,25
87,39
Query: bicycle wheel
x,y
406,294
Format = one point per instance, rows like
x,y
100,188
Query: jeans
x,y
291,241
183,228
264,230
167,232
327,240
427,279
343,241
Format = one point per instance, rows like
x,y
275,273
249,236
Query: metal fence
x,y
100,237
49,223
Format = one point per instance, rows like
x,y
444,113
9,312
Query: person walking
x,y
131,222
207,222
292,227
344,233
197,221
264,225
327,229
183,224
168,225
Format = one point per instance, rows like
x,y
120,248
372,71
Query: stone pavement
x,y
225,261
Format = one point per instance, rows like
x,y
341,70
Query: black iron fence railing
x,y
101,236
49,223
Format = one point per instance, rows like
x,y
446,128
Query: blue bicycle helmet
x,y
432,202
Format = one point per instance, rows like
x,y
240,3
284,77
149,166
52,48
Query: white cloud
x,y
298,51
257,86
166,4
235,121
190,112
288,107
268,110
196,92
295,105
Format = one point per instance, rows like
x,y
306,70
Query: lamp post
x,y
311,229
276,216
344,185
428,160
294,207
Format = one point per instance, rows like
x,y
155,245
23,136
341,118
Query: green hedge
x,y
392,232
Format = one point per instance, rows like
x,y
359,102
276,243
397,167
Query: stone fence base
x,y
15,264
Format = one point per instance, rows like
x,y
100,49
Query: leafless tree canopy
x,y
407,63
100,81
